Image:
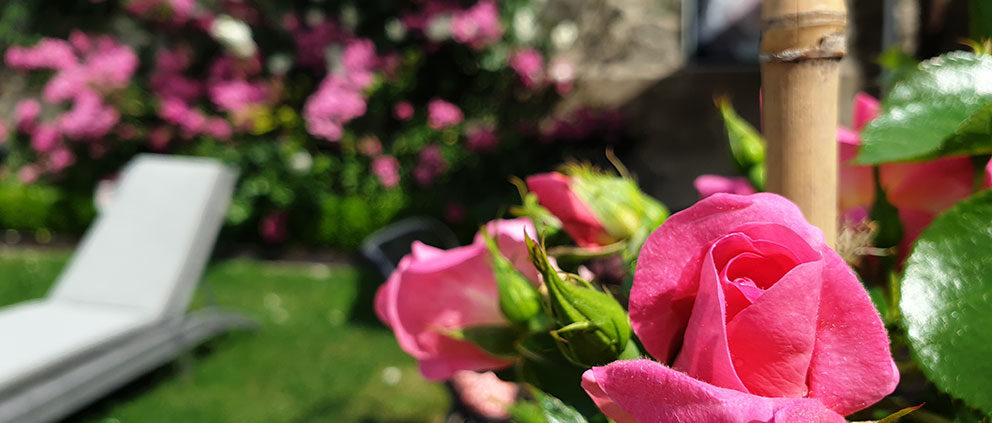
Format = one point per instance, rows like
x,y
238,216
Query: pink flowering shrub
x,y
294,94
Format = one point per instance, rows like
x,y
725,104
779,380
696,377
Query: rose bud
x,y
596,208
518,297
591,327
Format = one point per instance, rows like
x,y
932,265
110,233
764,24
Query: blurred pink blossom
x,y
272,228
218,128
442,114
529,66
358,60
478,26
403,110
28,174
59,159
26,114
158,138
485,393
387,169
167,79
370,146
562,72
312,41
481,139
236,95
45,138
335,103
708,185
430,166
49,53
89,117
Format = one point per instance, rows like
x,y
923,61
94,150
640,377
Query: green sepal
x,y
616,201
494,339
589,326
519,299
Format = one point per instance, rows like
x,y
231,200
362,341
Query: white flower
x,y
301,162
395,30
349,17
525,25
235,35
279,63
439,28
564,35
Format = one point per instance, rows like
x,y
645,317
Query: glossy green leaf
x,y
941,103
947,301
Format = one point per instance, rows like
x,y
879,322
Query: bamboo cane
x,y
801,47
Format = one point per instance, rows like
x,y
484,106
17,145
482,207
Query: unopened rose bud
x,y
590,327
518,297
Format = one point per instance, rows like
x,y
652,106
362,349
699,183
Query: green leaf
x,y
556,411
929,109
527,412
946,298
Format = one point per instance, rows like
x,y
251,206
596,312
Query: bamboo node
x,y
809,35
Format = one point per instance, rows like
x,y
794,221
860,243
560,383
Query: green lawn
x,y
319,356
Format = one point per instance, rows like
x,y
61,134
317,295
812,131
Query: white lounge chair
x,y
119,309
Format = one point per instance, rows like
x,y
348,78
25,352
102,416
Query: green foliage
x,y
547,409
946,298
940,108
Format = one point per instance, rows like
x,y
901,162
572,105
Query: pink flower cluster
x,y
87,70
312,40
340,96
431,164
477,26
442,114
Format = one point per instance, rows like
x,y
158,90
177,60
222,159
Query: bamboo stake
x,y
801,47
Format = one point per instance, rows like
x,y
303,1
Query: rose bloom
x,y
442,114
403,110
529,66
919,190
433,291
752,317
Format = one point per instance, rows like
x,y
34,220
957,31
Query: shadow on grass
x,y
178,368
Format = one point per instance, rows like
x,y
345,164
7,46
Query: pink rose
x,y
708,185
757,316
26,114
554,192
441,114
477,26
920,191
529,66
403,110
272,228
387,170
433,291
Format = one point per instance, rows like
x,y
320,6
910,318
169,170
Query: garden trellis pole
x,y
802,44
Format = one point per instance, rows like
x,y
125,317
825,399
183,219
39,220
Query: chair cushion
x,y
40,335
149,247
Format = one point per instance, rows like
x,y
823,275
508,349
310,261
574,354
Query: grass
x,y
319,356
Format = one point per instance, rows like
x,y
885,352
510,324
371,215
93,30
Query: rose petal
x,y
509,236
771,341
705,354
648,392
665,281
450,290
553,192
866,109
852,367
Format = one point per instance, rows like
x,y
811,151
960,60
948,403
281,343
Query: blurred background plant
x,y
341,116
